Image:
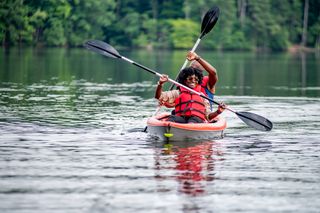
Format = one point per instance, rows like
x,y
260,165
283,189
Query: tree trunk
x,y
305,23
242,5
186,9
155,8
155,14
118,9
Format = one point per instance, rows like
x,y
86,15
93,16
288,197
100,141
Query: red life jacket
x,y
190,104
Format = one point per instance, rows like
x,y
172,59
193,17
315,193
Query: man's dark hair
x,y
189,71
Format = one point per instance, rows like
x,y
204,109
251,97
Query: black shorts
x,y
183,119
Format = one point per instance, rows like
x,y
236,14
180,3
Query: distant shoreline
x,y
299,48
294,49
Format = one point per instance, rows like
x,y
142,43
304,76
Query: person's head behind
x,y
190,73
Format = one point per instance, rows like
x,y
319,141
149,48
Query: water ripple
x,y
68,147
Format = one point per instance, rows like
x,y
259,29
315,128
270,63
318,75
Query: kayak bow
x,y
160,128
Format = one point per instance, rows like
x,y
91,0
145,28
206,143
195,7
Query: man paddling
x,y
190,107
208,82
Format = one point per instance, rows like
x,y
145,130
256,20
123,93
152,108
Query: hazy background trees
x,y
242,25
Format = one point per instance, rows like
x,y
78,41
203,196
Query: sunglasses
x,y
193,78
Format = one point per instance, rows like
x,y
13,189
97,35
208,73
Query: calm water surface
x,y
69,139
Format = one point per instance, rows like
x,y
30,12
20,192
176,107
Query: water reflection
x,y
191,164
251,142
256,147
239,73
63,122
303,72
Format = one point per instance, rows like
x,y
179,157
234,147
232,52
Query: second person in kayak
x,y
189,107
208,82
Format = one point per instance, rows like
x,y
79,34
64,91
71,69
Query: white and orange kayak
x,y
160,128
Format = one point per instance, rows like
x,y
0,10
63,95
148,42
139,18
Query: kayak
x,y
160,128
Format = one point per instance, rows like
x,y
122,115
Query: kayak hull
x,y
161,129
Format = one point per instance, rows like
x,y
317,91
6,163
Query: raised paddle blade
x,y
209,20
256,121
102,48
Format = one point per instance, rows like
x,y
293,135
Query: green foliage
x,y
278,38
54,34
222,34
171,9
88,20
288,14
259,18
242,25
148,37
237,41
184,33
14,27
38,20
314,36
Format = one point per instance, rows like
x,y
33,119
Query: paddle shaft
x,y
206,27
170,80
250,119
186,61
155,73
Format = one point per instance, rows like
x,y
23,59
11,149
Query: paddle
x,y
253,120
209,20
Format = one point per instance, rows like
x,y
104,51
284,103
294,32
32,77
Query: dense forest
x,y
243,24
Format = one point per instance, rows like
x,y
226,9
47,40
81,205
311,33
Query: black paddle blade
x,y
102,48
209,20
256,121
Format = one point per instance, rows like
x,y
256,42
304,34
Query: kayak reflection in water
x,y
190,107
193,165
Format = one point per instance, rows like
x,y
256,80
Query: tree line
x,y
243,24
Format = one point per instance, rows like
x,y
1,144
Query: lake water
x,y
69,139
